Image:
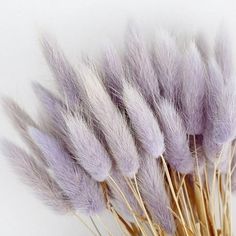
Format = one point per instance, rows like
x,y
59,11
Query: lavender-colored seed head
x,y
220,105
177,150
144,105
36,176
166,61
113,124
193,90
85,194
152,187
139,66
223,53
63,72
113,74
21,121
224,128
54,122
143,121
214,90
52,106
89,152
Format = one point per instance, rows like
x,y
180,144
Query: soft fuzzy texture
x,y
152,188
84,193
88,151
113,74
211,149
166,59
220,105
193,74
63,72
139,66
21,121
118,136
143,121
53,108
177,150
35,176
113,120
224,127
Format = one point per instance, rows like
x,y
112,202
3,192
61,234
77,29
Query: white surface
x,y
79,26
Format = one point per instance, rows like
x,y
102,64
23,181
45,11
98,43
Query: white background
x,y
79,26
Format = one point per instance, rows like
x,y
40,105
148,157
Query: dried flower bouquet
x,y
147,134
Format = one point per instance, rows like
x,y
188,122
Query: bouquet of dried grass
x,y
148,135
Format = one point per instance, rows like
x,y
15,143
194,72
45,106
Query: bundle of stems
x,y
200,206
147,135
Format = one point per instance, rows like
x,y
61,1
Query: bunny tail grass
x,y
119,138
84,193
145,134
37,177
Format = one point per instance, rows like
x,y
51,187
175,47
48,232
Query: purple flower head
x,y
220,105
21,121
88,151
113,74
84,193
63,72
53,108
166,61
193,90
143,121
37,177
178,154
112,122
152,187
139,66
